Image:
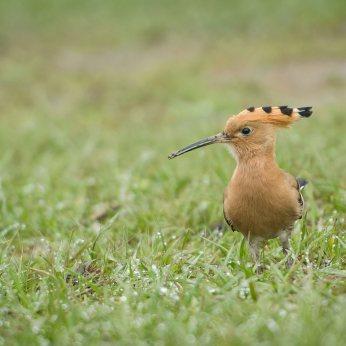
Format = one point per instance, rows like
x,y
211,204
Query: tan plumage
x,y
261,201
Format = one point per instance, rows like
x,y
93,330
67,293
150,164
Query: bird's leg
x,y
284,239
255,244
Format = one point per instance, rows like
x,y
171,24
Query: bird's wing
x,y
297,185
228,220
302,183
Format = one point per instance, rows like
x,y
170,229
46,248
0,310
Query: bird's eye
x,y
245,131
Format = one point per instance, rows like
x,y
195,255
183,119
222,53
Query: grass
x,y
92,100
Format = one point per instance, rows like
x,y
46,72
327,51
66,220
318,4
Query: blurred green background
x,y
94,95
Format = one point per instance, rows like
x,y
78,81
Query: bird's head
x,y
252,132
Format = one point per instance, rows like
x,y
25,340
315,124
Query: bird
x,y
261,201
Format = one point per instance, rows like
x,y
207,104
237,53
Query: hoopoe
x,y
261,201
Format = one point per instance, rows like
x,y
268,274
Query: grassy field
x,y
93,97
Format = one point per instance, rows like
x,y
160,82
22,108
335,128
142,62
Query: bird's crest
x,y
282,116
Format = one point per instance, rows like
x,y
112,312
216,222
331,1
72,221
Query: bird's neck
x,y
257,166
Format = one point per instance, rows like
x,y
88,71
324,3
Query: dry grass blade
x,y
44,272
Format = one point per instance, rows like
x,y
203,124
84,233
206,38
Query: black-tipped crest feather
x,y
287,111
267,109
305,113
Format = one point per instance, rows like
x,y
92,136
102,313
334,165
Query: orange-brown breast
x,y
261,199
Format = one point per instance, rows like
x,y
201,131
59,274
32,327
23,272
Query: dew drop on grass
x,y
54,318
282,313
60,206
95,334
190,339
35,329
272,325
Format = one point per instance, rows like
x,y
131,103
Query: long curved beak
x,y
219,138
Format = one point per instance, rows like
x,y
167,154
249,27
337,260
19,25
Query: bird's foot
x,y
289,262
258,268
